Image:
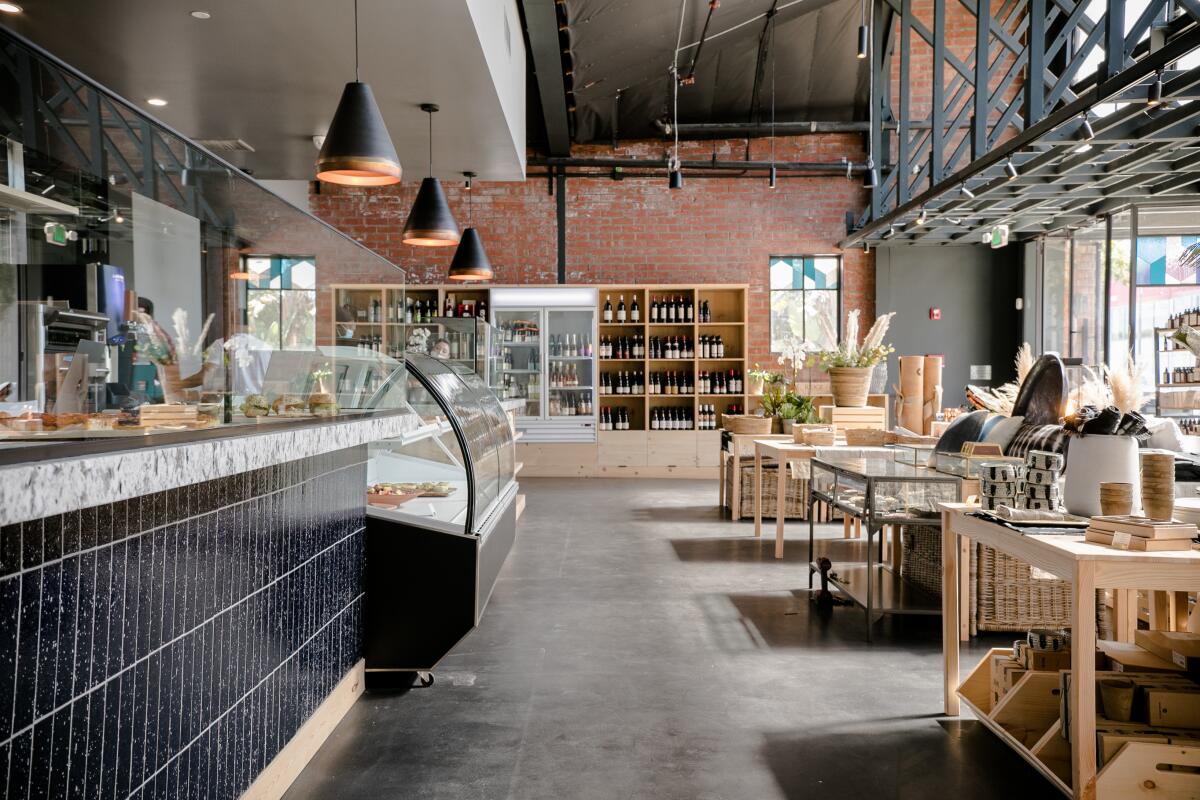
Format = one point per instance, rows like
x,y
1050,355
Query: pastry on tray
x,y
290,405
322,404
255,405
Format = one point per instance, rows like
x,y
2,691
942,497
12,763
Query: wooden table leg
x,y
735,502
950,612
780,506
758,491
1160,611
1083,680
722,461
857,528
846,527
897,549
964,588
1124,614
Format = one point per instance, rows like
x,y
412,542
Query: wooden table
x,y
1088,567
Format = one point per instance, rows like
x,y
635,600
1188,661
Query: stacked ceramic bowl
x,y
1040,489
999,485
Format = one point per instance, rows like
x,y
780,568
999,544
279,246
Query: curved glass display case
x,y
441,516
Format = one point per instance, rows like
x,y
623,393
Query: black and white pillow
x,y
1036,437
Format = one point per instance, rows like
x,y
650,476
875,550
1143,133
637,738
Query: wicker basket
x,y
865,437
822,438
797,493
1003,594
800,430
850,385
746,423
900,438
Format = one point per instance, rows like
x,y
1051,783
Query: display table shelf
x,y
1069,767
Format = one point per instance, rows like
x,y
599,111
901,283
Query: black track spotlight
x,y
864,40
771,174
1010,169
1154,93
675,179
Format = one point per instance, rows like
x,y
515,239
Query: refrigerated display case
x,y
441,517
547,354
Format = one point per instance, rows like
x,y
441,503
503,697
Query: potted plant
x,y
849,365
760,378
787,407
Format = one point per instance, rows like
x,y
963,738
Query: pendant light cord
x,y
356,41
430,140
674,160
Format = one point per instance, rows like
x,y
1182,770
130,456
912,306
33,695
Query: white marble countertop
x,y
53,486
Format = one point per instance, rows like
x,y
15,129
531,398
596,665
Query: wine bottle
x,y
608,308
635,313
653,309
621,309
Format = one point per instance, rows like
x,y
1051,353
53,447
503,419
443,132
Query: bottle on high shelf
x,y
608,317
449,309
635,313
653,310
690,308
621,309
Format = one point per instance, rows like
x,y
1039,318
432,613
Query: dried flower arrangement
x,y
850,353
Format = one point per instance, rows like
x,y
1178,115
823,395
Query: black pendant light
x,y
357,150
470,261
430,223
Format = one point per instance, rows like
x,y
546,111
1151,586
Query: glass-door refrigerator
x,y
547,342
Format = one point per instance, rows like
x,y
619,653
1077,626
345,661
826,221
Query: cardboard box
x,y
1174,707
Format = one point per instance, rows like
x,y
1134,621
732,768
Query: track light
x,y
1154,93
967,193
890,232
1086,133
920,220
954,220
771,178
871,176
864,32
1010,169
675,179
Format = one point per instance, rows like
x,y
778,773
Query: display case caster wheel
x,y
425,679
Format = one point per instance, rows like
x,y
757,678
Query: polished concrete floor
x,y
639,646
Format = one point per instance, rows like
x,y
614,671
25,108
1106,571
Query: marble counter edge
x,y
40,489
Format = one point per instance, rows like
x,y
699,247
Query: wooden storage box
x,y
843,418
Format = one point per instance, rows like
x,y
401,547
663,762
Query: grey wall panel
x,y
976,289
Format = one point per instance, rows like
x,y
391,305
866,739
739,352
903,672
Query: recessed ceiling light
x,y
156,101
10,8
201,15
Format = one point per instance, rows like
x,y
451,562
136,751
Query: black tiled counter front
x,y
170,645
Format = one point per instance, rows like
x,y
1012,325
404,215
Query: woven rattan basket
x,y
864,437
746,423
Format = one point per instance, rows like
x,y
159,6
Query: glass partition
x,y
147,285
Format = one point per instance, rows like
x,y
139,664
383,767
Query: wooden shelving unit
x,y
727,308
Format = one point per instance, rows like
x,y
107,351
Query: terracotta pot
x,y
850,386
168,379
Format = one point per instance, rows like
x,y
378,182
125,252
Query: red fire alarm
x,y
935,313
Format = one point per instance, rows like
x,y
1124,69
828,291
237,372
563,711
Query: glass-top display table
x,y
879,491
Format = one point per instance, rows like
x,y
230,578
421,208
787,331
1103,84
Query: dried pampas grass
x,y
1023,362
1126,386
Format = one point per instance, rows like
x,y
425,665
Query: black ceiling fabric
x,y
624,47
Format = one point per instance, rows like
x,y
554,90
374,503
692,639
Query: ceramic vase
x,y
1093,460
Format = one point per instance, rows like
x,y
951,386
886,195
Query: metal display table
x,y
879,491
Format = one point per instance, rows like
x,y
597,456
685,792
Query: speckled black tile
x,y
179,639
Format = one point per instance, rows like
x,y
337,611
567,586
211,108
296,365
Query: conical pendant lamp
x,y
470,261
430,223
357,150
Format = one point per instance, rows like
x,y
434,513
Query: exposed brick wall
x,y
635,230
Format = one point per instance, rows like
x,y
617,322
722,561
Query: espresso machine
x,y
65,358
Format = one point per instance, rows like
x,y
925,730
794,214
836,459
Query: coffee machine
x,y
65,360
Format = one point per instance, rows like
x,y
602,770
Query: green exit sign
x,y
56,233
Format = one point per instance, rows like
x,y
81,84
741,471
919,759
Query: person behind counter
x,y
440,349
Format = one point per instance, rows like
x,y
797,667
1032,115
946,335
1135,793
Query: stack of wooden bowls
x,y
1158,485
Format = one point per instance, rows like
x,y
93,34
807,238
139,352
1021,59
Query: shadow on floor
x,y
914,759
672,513
748,549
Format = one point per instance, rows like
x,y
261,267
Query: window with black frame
x,y
281,300
805,297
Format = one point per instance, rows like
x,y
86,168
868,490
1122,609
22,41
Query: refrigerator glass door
x,y
520,343
570,363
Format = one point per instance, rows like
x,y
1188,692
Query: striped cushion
x,y
1036,437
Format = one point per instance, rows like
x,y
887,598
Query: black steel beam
x,y
797,167
696,130
541,23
